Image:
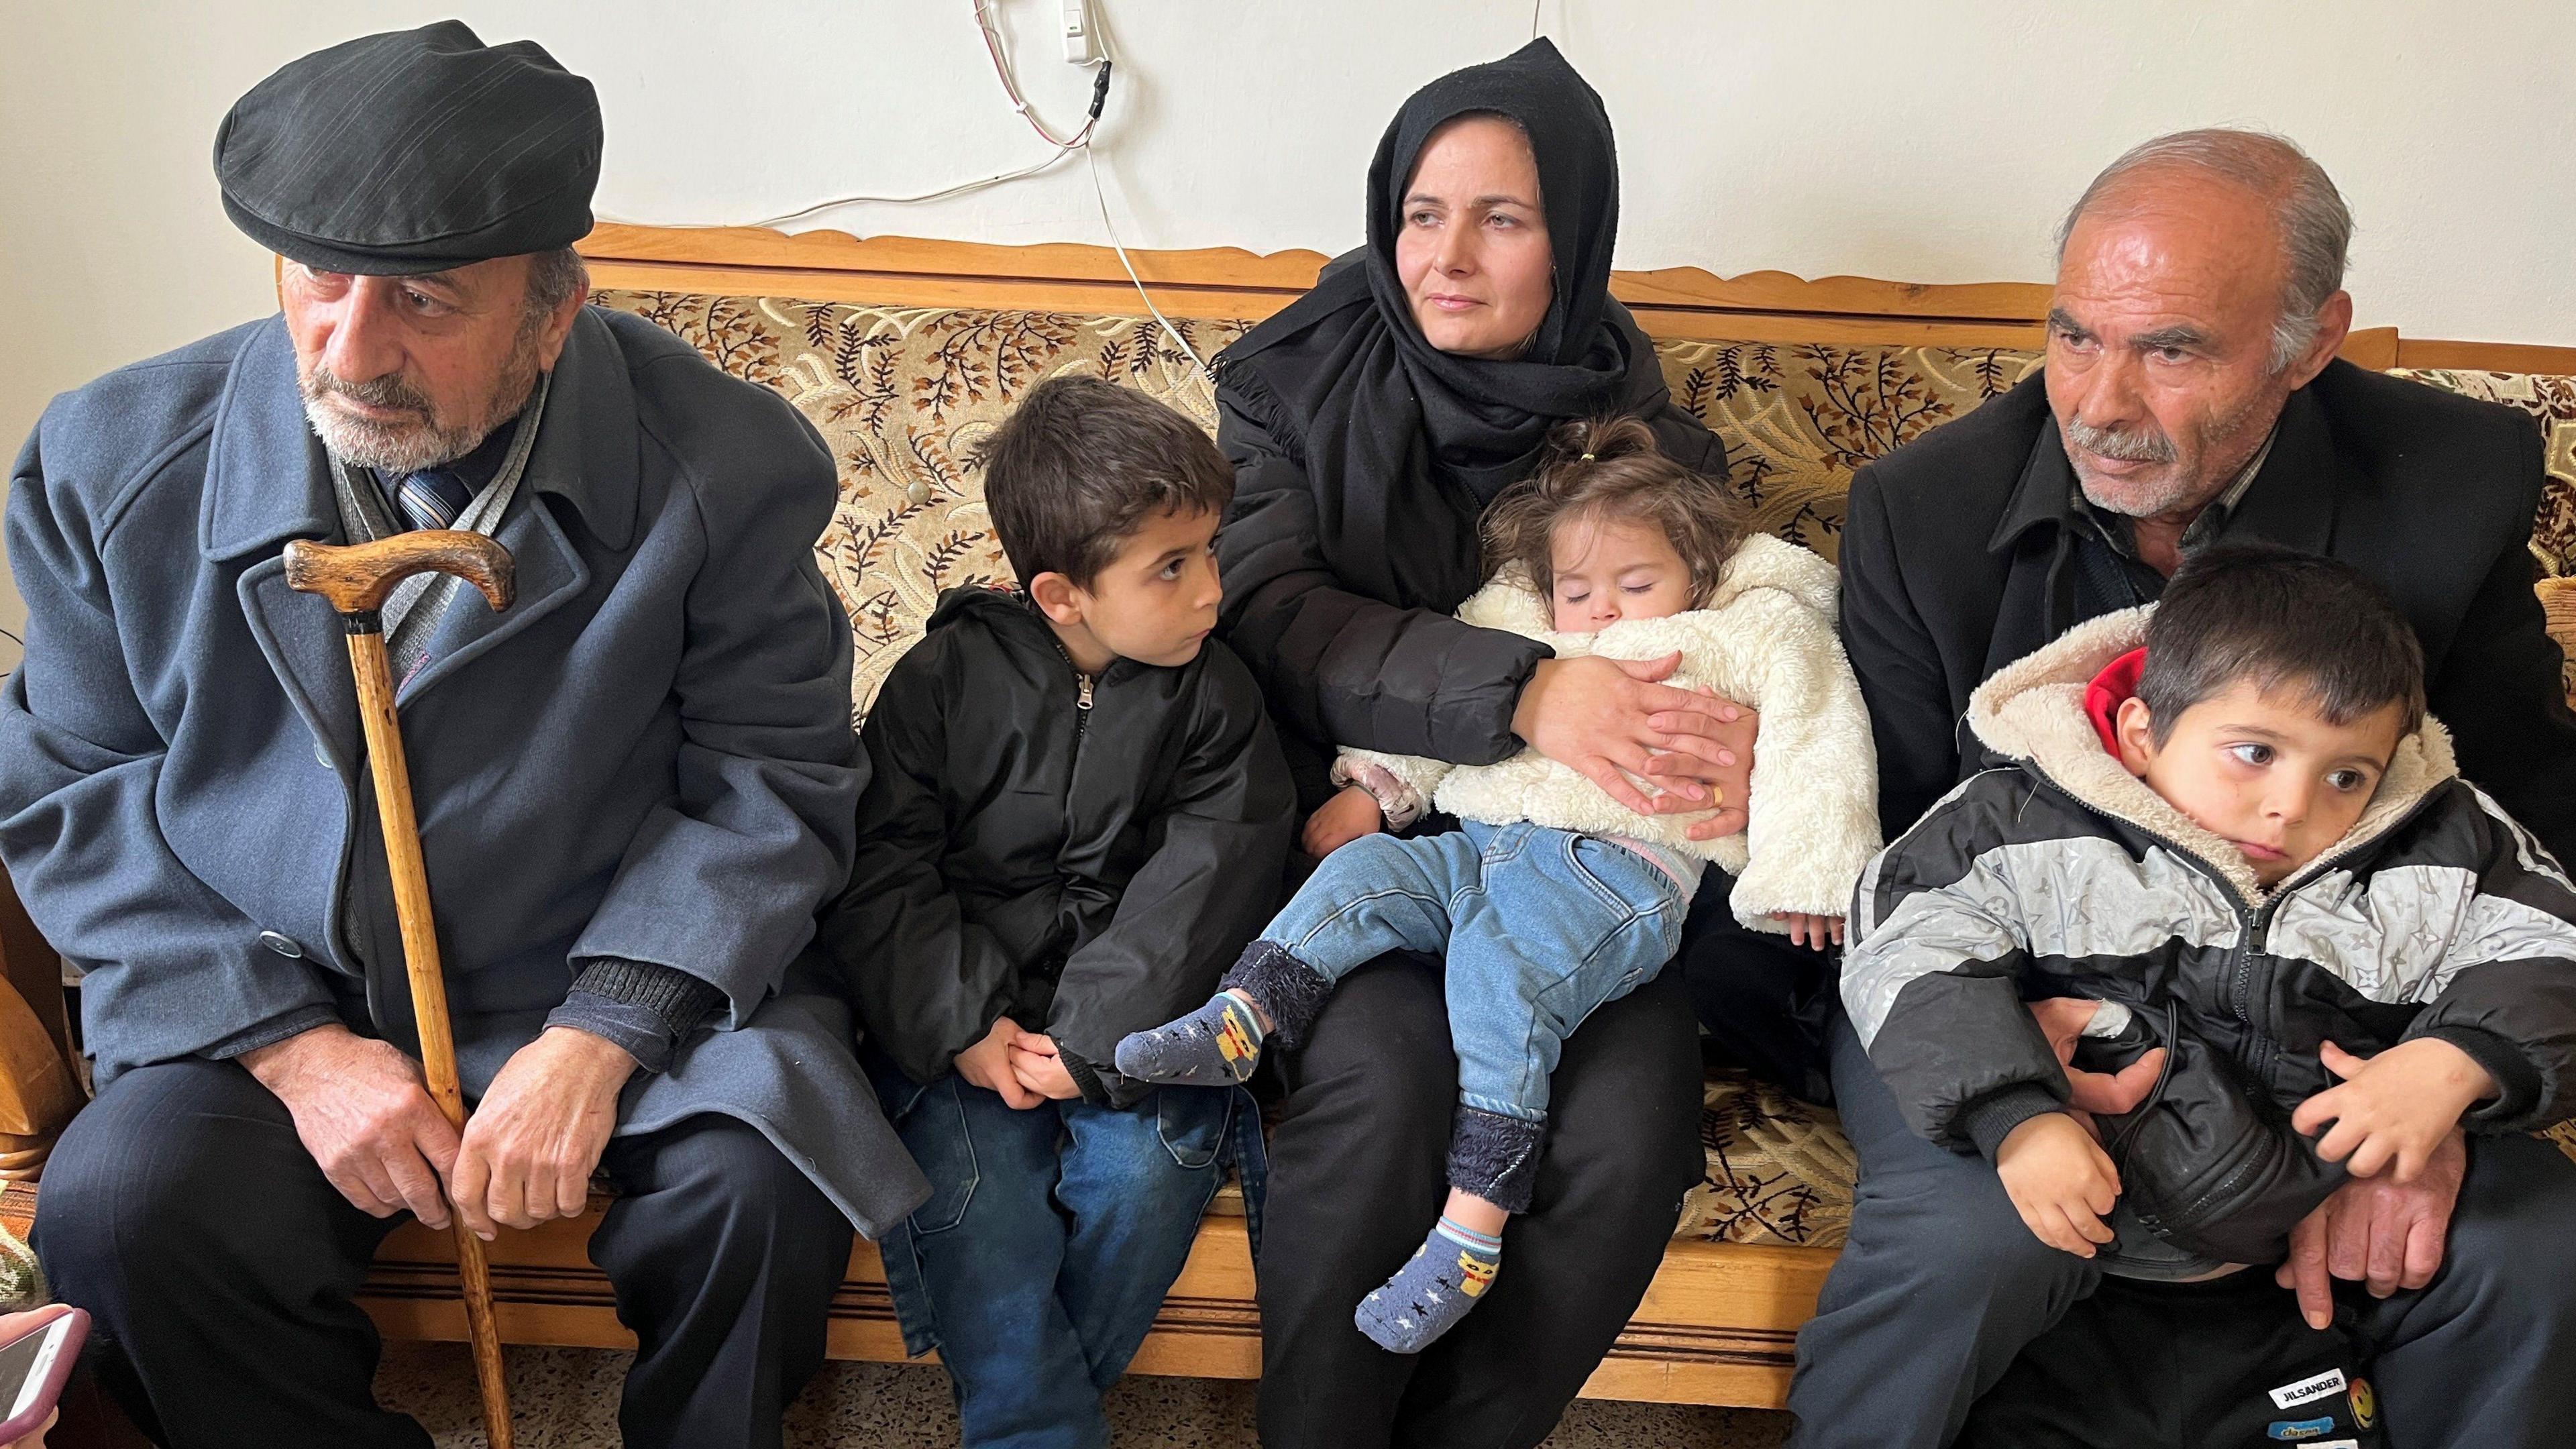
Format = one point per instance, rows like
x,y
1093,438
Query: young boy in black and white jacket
x,y
2247,841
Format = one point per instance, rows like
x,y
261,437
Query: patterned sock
x,y
1433,1290
1217,1045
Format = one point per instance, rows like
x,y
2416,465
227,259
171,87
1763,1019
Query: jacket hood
x,y
2033,711
1006,612
1760,562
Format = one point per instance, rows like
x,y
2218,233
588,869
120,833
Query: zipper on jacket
x,y
2254,927
1082,684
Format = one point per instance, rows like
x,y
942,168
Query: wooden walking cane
x,y
356,580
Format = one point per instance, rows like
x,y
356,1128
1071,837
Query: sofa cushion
x,y
905,395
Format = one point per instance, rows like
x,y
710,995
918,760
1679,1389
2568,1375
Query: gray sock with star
x,y
1217,1045
1444,1278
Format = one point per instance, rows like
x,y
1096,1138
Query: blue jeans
x,y
1540,928
1049,1240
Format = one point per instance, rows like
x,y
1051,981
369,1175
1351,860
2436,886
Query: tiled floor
x,y
567,1399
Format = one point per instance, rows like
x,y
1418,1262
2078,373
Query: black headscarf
x,y
1374,404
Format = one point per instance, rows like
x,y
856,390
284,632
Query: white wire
x,y
1102,197
1081,142
942,194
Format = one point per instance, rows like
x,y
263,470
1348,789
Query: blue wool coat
x,y
647,755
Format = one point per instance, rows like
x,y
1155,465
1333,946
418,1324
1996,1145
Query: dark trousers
x,y
1357,1179
1941,1287
1764,1001
220,1267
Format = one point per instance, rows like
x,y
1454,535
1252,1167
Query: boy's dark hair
x,y
2275,618
1609,467
1080,465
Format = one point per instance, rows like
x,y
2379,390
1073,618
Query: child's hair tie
x,y
1587,457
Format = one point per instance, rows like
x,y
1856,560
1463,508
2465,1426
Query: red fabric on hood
x,y
2116,684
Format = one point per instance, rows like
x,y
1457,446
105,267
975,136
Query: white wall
x,y
1930,140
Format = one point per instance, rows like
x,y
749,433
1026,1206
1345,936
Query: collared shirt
x,y
2109,573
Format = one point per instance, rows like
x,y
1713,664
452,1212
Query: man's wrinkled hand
x,y
535,1138
361,1110
2062,1020
2376,1230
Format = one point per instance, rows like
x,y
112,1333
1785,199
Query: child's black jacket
x,y
1087,869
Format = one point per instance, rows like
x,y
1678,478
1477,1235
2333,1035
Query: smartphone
x,y
34,1367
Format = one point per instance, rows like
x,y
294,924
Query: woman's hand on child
x,y
1609,719
987,1064
1811,931
2061,1181
1035,1063
2394,1108
1738,726
1346,817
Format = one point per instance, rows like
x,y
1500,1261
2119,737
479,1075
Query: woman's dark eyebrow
x,y
1424,198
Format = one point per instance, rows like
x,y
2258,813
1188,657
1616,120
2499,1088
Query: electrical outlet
x,y
1081,35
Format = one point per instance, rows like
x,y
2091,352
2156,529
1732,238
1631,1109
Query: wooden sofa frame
x,y
1719,1322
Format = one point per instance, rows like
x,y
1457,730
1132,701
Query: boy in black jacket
x,y
1076,816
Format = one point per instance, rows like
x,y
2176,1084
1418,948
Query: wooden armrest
x,y
39,1092
2558,603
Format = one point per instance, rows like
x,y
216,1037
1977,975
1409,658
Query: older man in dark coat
x,y
634,786
2192,395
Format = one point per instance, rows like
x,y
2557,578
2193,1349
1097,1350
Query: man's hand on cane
x,y
535,1138
360,1109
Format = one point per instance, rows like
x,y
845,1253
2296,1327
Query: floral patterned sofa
x,y
903,395
904,389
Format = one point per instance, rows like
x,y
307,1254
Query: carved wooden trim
x,y
2487,356
1228,282
1718,1325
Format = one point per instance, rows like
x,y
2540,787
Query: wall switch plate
x,y
1081,38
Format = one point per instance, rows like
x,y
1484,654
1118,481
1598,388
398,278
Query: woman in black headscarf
x,y
1369,424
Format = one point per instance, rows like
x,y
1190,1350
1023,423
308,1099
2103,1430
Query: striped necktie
x,y
432,497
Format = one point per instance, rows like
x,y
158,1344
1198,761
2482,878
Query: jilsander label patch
x,y
2308,1391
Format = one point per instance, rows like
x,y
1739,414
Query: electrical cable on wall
x,y
1061,147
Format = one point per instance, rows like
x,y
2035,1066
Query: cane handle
x,y
357,578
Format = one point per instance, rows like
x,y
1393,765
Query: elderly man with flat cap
x,y
634,786
2191,394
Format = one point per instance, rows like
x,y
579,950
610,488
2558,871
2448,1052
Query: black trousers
x,y
1764,1001
219,1267
1357,1179
1941,1289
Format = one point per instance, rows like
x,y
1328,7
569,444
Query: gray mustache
x,y
2145,445
389,391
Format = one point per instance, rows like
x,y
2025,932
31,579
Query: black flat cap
x,y
412,152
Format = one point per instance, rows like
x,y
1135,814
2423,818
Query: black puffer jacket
x,y
1084,857
1342,599
2063,875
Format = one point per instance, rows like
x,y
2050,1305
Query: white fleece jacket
x,y
1765,639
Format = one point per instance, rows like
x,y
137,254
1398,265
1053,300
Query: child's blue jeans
x,y
1049,1240
1540,928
